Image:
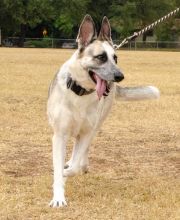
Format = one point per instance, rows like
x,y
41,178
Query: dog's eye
x,y
115,58
102,57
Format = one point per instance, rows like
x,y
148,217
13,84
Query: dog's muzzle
x,y
118,76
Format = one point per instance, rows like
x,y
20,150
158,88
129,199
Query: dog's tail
x,y
136,93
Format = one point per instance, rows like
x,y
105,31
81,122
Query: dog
x,y
80,98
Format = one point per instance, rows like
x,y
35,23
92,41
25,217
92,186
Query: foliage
x,y
62,18
123,17
69,15
31,12
20,14
45,43
133,15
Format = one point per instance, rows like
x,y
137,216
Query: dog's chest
x,y
89,116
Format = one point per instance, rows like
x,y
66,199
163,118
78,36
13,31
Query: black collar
x,y
77,89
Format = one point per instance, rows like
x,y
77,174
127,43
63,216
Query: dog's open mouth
x,y
102,87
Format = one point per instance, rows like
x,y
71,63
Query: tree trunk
x,y
22,35
144,37
0,37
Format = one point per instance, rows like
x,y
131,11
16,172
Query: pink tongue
x,y
100,86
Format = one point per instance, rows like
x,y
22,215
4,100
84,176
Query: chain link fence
x,y
40,42
151,45
71,44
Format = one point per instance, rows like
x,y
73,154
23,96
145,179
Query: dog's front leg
x,y
79,159
59,148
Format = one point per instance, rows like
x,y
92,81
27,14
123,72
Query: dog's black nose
x,y
118,76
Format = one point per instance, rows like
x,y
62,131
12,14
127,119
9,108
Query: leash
x,y
151,26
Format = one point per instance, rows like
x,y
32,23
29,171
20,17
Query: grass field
x,y
134,160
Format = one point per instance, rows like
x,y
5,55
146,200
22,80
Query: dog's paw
x,y
66,166
69,172
57,203
84,169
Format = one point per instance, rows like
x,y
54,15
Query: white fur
x,y
137,93
81,116
77,116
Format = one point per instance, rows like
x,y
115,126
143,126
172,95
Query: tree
x,y
26,13
128,16
64,16
123,17
149,11
99,9
169,30
6,21
69,15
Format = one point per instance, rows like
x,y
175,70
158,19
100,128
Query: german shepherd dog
x,y
81,96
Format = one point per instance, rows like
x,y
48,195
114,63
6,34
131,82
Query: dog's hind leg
x,y
84,163
59,148
79,159
74,152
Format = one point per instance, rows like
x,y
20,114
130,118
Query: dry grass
x,y
134,172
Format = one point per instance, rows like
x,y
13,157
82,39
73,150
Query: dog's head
x,y
97,55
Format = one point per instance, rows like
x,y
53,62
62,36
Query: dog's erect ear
x,y
105,32
87,31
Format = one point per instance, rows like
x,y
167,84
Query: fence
x,y
171,45
71,43
151,45
40,42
